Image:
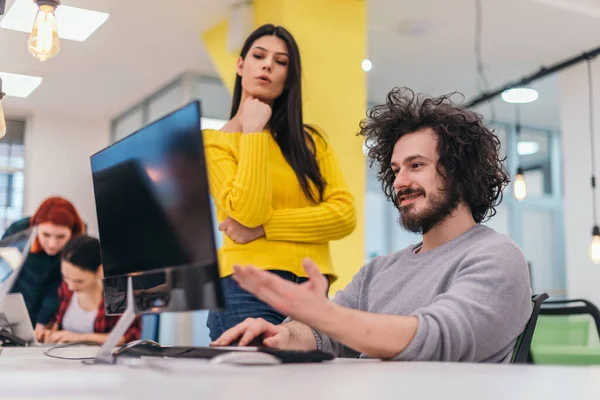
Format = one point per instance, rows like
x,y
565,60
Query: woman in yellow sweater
x,y
278,189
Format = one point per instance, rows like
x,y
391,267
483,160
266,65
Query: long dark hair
x,y
290,133
83,252
470,161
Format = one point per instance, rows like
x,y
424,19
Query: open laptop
x,y
15,323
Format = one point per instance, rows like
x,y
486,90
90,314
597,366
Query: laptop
x,y
15,323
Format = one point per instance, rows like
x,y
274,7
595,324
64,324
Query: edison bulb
x,y
520,188
44,42
595,249
2,121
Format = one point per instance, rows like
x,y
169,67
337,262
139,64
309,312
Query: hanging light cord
x,y
518,129
591,112
478,58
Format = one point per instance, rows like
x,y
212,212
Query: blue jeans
x,y
240,304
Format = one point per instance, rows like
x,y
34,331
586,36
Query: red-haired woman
x,y
57,221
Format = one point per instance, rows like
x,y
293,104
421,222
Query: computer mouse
x,y
138,344
245,358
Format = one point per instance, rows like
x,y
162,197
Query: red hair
x,y
57,211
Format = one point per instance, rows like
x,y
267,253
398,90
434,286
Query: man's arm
x,y
477,319
375,335
301,336
293,335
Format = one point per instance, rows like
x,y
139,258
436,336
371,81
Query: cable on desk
x,y
63,345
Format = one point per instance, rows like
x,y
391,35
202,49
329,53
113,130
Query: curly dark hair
x,y
469,152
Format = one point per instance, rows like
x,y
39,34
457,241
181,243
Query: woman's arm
x,y
133,333
331,219
240,184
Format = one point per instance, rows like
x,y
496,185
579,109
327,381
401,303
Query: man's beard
x,y
438,208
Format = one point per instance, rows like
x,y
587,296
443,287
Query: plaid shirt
x,y
103,323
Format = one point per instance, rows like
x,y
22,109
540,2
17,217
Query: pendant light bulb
x,y
44,42
595,246
520,188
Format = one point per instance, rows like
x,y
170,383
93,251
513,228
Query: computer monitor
x,y
155,218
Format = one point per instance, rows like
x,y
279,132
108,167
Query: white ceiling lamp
x,y
526,148
17,85
76,24
519,95
366,65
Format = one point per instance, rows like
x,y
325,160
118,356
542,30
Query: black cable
x,y
518,121
518,137
591,111
478,58
63,345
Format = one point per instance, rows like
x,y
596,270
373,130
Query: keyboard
x,y
286,356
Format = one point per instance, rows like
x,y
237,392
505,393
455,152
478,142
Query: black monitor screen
x,y
155,219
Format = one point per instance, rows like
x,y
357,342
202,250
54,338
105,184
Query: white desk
x,y
27,373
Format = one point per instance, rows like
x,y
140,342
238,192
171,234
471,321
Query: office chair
x,y
562,307
521,354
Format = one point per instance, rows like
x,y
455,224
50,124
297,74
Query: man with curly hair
x,y
462,294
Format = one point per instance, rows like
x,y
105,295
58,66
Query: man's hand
x,y
239,233
306,302
276,336
64,337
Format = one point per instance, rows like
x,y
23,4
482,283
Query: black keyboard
x,y
286,356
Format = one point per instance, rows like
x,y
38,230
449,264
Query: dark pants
x,y
241,304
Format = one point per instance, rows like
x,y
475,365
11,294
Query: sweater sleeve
x,y
240,184
332,219
477,314
347,297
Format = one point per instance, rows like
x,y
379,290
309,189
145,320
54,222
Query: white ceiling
x,y
518,36
143,45
140,48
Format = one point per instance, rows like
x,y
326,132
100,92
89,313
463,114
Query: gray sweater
x,y
472,297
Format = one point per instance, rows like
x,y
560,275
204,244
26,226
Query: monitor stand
x,y
105,355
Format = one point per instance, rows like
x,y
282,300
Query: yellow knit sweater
x,y
251,182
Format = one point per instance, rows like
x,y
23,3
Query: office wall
x,y
583,276
57,151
